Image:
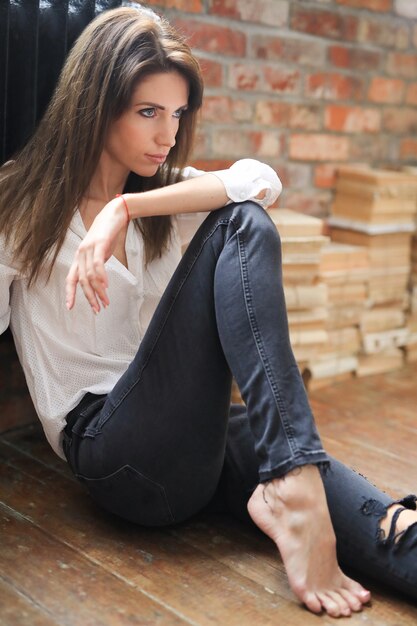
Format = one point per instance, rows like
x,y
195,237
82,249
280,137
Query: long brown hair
x,y
41,188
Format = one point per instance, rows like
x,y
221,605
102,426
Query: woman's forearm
x,y
204,193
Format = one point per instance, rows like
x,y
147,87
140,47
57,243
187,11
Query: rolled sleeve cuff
x,y
246,178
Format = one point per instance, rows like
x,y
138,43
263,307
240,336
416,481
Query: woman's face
x,y
140,140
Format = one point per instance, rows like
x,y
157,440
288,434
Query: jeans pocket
x,y
132,496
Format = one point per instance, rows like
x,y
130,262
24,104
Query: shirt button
x,y
242,195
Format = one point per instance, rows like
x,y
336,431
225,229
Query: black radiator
x,y
35,36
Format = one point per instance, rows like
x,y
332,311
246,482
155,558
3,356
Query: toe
x,y
340,600
358,591
364,596
353,601
312,602
329,604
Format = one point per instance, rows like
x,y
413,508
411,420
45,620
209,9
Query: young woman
x,y
132,382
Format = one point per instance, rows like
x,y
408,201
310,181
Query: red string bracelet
x,y
120,195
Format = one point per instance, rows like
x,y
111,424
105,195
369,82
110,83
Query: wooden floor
x,y
64,562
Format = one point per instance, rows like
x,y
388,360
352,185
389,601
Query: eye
x,y
179,112
149,112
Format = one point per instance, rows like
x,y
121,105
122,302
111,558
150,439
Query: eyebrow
x,y
158,106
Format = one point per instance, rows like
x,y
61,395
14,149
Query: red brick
x,y
324,23
408,148
267,144
294,175
282,80
325,175
241,143
314,202
201,144
222,109
382,6
349,119
271,12
354,58
289,49
362,149
242,110
186,6
334,87
388,90
401,64
400,120
287,114
253,77
217,109
225,41
388,34
212,72
411,97
340,56
227,8
319,147
245,76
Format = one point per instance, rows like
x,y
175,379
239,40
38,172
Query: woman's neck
x,y
108,180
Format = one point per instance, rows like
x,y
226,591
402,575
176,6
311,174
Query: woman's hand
x,y
96,248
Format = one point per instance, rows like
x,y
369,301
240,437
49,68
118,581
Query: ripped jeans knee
x,y
395,538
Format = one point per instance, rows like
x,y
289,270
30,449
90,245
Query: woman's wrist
x,y
123,207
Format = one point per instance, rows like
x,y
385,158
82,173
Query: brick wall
x,y
304,85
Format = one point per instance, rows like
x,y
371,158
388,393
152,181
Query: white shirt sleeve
x,y
7,274
244,180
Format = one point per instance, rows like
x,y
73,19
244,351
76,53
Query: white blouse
x,y
65,354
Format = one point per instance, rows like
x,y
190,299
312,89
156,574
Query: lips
x,y
157,158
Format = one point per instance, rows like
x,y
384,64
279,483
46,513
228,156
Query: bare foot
x,y
293,512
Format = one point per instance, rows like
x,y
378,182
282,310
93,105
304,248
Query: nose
x,y
167,131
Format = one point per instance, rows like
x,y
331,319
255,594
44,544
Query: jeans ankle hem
x,y
318,458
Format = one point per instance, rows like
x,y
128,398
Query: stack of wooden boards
x,y
414,260
344,268
302,242
412,171
350,306
376,209
305,294
411,345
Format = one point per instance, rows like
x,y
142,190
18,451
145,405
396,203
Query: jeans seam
x,y
302,457
260,347
106,417
128,467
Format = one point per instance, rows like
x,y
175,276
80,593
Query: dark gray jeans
x,y
165,443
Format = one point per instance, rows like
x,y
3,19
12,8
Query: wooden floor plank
x,y
249,554
255,557
210,570
19,610
157,562
31,440
75,590
371,425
